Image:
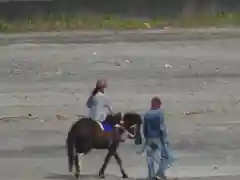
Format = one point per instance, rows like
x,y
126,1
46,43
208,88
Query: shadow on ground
x,y
55,176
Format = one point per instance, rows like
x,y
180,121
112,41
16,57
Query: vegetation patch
x,y
74,21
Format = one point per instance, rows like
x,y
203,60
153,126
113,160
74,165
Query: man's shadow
x,y
55,176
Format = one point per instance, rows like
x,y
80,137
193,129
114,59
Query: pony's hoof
x,y
101,175
124,176
77,175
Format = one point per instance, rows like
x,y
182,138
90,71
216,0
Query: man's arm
x,y
163,127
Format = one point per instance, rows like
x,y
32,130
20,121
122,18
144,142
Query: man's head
x,y
101,83
156,103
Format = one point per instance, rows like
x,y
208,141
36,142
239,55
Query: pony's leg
x,y
111,151
104,166
119,161
77,173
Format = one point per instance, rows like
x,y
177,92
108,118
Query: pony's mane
x,y
134,116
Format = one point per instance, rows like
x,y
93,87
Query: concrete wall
x,y
18,8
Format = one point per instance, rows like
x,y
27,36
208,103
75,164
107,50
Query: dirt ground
x,y
198,80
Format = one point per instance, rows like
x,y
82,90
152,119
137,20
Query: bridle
x,y
125,130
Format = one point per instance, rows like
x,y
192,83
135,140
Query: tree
x,y
192,7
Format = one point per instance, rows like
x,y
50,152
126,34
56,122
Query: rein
x,y
123,128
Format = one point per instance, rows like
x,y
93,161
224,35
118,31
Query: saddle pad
x,y
105,126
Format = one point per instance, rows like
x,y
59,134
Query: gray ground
x,y
48,79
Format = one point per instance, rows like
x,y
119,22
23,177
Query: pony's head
x,y
132,123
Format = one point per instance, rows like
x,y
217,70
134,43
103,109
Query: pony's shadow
x,y
54,176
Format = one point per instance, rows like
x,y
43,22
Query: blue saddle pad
x,y
107,127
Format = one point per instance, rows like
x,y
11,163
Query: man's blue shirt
x,y
154,126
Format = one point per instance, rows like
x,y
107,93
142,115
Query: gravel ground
x,y
197,77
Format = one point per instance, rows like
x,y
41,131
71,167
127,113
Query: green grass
x,y
64,22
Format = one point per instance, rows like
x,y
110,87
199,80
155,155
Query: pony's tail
x,y
70,151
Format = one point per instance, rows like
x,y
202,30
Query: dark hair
x,y
95,91
157,100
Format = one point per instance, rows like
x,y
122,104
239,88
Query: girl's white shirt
x,y
100,107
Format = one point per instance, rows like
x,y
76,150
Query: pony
x,y
87,134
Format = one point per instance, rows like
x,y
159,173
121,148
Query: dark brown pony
x,y
86,134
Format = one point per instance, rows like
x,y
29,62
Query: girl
x,y
98,103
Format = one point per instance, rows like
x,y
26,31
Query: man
x,y
156,144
